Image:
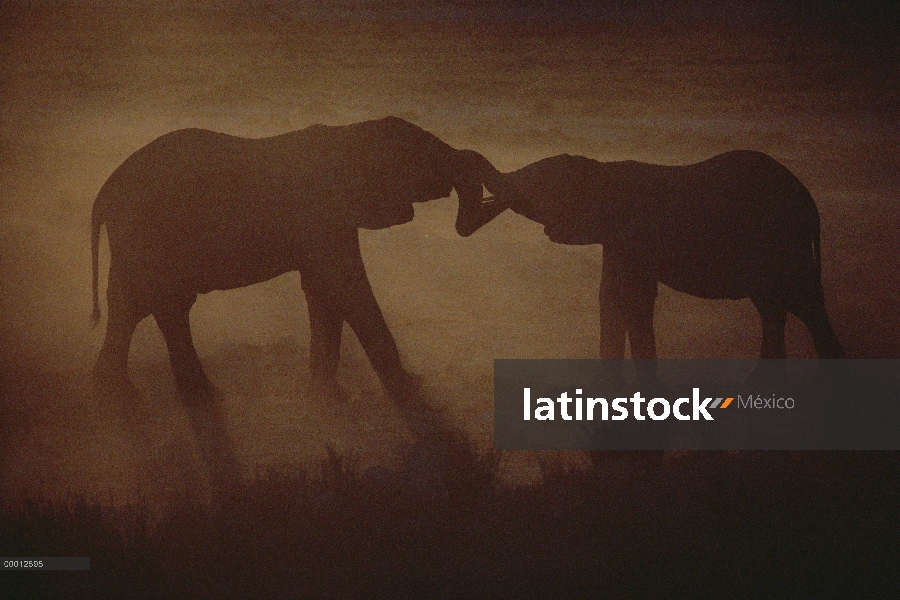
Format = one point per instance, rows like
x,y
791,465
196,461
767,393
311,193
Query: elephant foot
x,y
768,374
113,384
329,390
652,386
201,394
609,374
405,388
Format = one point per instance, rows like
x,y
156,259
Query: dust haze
x,y
84,86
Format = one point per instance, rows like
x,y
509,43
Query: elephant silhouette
x,y
195,211
739,225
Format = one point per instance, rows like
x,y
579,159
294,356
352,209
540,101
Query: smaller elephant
x,y
739,225
195,211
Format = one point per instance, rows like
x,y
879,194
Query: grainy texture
x,y
83,86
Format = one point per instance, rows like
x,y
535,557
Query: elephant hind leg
x,y
816,320
111,370
612,321
173,318
773,316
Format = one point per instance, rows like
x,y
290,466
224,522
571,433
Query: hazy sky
x,y
567,11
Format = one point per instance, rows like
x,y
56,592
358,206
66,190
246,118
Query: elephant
x,y
738,225
195,211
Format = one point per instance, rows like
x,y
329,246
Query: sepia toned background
x,y
83,85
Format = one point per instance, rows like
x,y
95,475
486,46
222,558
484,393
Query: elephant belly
x,y
742,271
708,282
224,265
191,264
230,276
715,271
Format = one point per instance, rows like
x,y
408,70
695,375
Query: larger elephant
x,y
195,211
739,225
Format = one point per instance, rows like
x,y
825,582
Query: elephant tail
x,y
96,223
815,233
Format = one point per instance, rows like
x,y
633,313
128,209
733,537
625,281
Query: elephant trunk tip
x,y
464,231
503,189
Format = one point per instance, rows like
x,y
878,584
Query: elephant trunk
x,y
472,170
502,189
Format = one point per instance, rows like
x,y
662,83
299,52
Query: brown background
x,y
85,85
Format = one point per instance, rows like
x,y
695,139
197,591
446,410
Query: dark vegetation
x,y
741,525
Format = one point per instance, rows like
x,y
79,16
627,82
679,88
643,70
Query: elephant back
x,y
564,194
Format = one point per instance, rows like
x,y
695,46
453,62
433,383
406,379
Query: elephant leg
x,y
325,324
638,301
334,271
173,318
111,370
627,301
773,317
364,316
612,321
816,320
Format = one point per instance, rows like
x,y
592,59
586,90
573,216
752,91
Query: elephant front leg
x,y
638,304
325,325
364,316
773,317
173,319
337,288
627,299
816,320
612,324
612,320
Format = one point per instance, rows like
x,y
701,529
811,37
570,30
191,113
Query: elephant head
x,y
395,163
560,194
570,217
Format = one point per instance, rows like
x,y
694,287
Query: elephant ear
x,y
389,165
576,222
374,189
383,213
